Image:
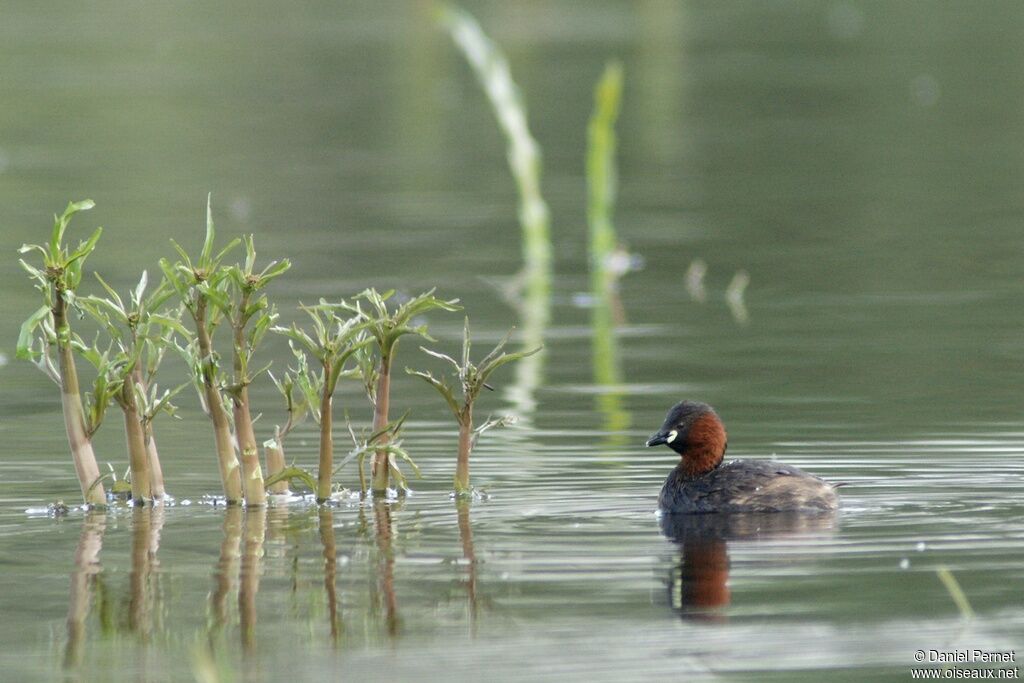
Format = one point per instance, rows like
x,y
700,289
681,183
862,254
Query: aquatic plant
x,y
295,385
202,286
110,369
607,260
531,293
602,179
386,327
57,282
250,316
524,158
138,337
956,593
333,341
387,439
473,378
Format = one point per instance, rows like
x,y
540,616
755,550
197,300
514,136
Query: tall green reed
x,y
524,157
533,292
603,249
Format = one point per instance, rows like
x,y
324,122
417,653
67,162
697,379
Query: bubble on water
x,y
924,90
185,502
905,563
241,209
921,546
583,300
845,20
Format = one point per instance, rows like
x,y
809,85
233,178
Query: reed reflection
x,y
384,532
609,261
531,297
147,524
83,580
330,570
607,365
698,585
462,508
251,569
279,526
225,573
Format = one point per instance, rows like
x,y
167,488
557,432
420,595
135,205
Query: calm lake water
x,y
862,161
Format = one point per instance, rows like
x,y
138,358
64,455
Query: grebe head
x,y
693,430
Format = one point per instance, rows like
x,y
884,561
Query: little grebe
x,y
701,483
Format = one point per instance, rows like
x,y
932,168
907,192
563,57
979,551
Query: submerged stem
x,y
274,456
465,446
252,473
229,469
138,456
156,472
326,468
74,414
380,421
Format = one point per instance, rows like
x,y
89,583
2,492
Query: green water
x,y
862,161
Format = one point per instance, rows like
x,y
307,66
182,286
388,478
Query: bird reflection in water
x,y
698,584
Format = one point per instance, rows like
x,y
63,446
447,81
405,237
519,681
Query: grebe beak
x,y
657,440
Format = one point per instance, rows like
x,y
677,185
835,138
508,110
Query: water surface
x,y
860,160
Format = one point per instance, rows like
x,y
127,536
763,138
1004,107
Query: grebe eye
x,y
671,436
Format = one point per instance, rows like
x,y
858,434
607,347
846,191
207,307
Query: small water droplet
x,y
185,502
921,546
904,563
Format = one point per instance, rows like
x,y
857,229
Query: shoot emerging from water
x,y
140,337
386,326
333,341
49,328
202,286
250,317
473,379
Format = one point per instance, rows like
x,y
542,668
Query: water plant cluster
x,y
197,297
348,338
